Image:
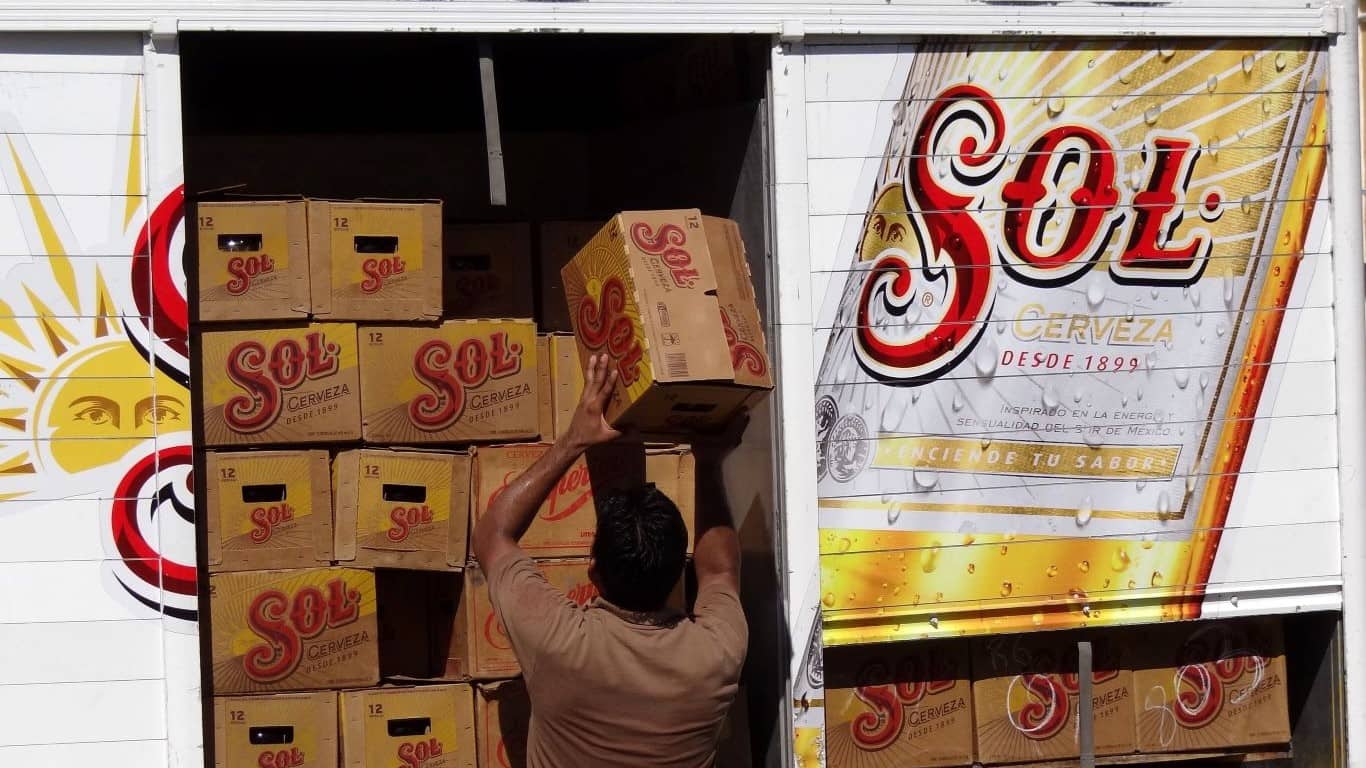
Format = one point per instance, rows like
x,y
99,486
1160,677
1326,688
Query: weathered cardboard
x,y
567,520
268,509
487,270
299,384
740,319
502,714
293,630
476,645
253,260
413,727
566,381
294,730
906,704
375,260
462,381
1212,685
559,242
1025,690
401,509
545,390
673,358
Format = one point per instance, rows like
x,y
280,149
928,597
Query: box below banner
x,y
401,509
284,729
429,726
268,509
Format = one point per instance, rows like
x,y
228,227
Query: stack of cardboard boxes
x,y
1205,688
385,379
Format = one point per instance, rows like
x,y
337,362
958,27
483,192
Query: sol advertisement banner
x,y
1052,319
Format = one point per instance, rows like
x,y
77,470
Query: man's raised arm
x,y
511,513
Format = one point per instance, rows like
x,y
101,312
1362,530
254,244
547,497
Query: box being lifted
x,y
280,385
253,260
648,291
279,730
293,630
462,381
402,509
268,509
375,260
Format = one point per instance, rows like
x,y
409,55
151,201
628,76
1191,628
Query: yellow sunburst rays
x,y
41,316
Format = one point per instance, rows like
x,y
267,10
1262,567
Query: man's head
x,y
639,549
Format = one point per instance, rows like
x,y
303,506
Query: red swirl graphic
x,y
160,300
142,559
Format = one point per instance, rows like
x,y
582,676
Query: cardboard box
x,y
545,390
280,385
402,509
293,630
908,704
476,644
298,730
268,509
1025,690
488,270
566,381
253,260
559,242
375,260
502,713
567,520
427,727
740,319
462,381
1212,685
675,363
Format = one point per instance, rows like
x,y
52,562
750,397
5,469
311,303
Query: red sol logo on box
x,y
285,758
950,239
667,243
377,270
450,373
284,624
608,325
267,519
266,376
405,519
495,633
416,754
1047,706
244,268
743,355
1203,689
890,702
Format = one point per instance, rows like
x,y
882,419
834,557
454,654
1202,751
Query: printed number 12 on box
x,y
1059,305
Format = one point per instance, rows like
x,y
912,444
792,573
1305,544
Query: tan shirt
x,y
607,690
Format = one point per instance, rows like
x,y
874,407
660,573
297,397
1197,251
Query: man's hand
x,y
589,427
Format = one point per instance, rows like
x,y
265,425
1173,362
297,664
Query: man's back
x,y
609,687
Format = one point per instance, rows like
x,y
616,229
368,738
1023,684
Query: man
x,y
624,681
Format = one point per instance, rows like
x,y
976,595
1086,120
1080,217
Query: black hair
x,y
640,547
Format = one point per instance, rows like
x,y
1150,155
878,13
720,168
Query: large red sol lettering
x,y
265,520
1046,707
604,323
881,726
416,754
377,270
959,252
243,268
668,244
266,375
405,519
449,373
1202,689
285,622
284,758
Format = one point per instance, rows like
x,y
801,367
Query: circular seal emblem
x,y
826,413
848,450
